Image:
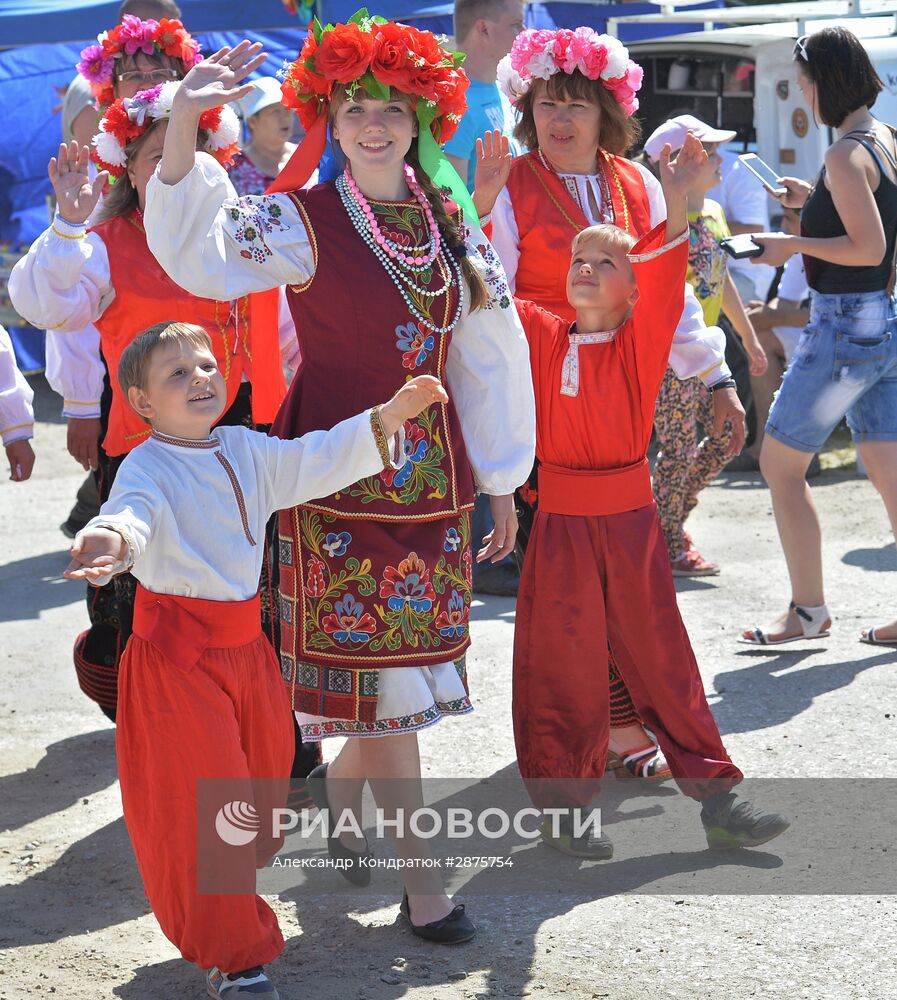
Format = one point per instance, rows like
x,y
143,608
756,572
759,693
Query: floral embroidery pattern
x,y
349,622
254,219
452,623
416,346
452,540
492,270
424,452
314,584
336,545
411,612
408,583
416,447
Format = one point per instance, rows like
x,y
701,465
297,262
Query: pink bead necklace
x,y
416,258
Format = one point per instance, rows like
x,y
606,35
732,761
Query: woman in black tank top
x,y
846,360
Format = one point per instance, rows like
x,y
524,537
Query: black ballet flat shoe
x,y
456,928
356,864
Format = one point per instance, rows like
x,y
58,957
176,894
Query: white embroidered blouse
x,y
215,244
194,512
63,285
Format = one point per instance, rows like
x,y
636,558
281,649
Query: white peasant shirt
x,y
192,226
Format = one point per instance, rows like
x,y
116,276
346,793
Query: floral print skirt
x,y
408,699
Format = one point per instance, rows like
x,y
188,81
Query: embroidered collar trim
x,y
570,370
179,442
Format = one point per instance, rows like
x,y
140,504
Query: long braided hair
x,y
451,231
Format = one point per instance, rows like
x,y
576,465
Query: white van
x,y
744,77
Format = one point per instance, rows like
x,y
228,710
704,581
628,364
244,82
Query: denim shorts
x,y
845,363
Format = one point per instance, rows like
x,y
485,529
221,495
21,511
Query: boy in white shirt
x,y
200,690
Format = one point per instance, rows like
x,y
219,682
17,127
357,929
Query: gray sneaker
x,y
730,822
233,985
586,844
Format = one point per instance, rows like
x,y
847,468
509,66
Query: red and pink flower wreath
x,y
130,117
375,55
167,37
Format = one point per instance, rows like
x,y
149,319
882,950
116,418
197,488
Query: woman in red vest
x,y
106,275
386,280
576,120
132,56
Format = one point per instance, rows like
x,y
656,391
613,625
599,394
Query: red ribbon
x,y
268,385
304,160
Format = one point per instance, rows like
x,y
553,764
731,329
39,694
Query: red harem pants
x,y
200,696
588,579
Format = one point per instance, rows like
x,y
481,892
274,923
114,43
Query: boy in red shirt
x,y
596,565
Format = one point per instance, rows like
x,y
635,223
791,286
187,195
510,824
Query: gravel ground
x,y
75,922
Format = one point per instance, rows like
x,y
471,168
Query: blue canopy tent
x,y
40,42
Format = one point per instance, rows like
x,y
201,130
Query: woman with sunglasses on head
x,y
386,279
846,360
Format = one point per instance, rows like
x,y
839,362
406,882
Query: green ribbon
x,y
439,169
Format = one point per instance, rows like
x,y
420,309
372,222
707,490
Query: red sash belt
x,y
183,628
585,492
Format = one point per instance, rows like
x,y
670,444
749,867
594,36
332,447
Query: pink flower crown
x,y
541,54
129,117
168,37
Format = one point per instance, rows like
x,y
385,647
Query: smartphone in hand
x,y
763,172
741,246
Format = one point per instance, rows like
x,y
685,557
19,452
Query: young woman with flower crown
x,y
105,275
575,92
385,281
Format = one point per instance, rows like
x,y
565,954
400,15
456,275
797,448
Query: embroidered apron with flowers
x,y
379,574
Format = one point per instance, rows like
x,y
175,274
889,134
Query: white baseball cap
x,y
674,131
265,92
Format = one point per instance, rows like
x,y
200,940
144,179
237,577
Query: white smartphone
x,y
763,172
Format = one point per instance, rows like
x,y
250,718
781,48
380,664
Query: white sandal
x,y
814,624
871,639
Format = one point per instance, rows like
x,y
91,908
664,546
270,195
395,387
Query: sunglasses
x,y
800,48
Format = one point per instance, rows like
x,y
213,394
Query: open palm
x,y
492,170
76,194
219,79
680,175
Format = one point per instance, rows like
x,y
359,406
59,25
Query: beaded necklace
x,y
415,258
403,274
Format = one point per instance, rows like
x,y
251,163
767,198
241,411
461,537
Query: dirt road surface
x,y
74,922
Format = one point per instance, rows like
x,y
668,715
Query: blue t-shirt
x,y
485,112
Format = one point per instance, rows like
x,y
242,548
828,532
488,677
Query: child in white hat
x,y
686,464
269,127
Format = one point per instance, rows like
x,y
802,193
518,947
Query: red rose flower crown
x,y
375,55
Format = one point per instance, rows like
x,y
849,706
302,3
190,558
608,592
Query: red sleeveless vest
x,y
548,217
145,295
